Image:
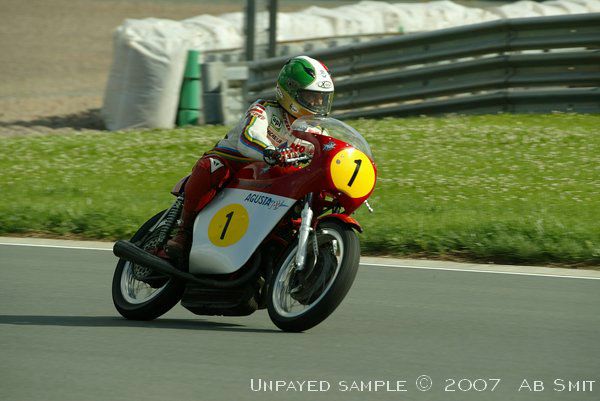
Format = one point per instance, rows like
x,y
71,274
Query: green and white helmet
x,y
304,87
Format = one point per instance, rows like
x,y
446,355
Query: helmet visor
x,y
316,102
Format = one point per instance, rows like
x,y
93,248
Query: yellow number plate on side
x,y
228,225
352,172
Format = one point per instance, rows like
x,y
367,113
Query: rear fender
x,y
344,219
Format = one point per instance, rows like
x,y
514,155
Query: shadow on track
x,y
111,321
88,119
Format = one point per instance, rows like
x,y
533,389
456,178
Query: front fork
x,y
306,228
304,233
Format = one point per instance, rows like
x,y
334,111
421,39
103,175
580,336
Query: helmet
x,y
304,87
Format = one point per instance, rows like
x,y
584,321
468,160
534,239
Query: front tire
x,y
297,303
146,299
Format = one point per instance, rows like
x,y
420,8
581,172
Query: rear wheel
x,y
298,301
139,293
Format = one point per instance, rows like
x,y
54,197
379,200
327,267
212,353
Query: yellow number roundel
x,y
352,172
228,225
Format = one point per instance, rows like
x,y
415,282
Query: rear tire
x,y
135,299
327,285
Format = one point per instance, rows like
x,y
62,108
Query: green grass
x,y
506,188
514,189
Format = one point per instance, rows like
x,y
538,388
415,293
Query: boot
x,y
179,246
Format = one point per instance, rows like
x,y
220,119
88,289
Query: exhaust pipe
x,y
128,251
132,253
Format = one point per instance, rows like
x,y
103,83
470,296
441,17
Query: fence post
x,y
213,92
260,25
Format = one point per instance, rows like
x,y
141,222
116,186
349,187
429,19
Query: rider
x,y
304,87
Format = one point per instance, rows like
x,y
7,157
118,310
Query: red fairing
x,y
291,182
294,182
348,203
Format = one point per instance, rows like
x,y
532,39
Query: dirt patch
x,y
56,56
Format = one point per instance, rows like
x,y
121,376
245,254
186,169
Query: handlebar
x,y
283,157
302,158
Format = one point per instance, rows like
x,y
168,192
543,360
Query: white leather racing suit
x,y
265,124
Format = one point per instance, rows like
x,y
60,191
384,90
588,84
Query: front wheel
x,y
298,301
138,293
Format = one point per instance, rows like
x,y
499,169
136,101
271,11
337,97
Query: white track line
x,y
416,267
58,246
453,269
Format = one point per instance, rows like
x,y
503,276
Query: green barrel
x,y
189,99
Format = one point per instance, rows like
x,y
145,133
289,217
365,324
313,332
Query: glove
x,y
280,157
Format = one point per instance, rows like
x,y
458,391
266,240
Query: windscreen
x,y
334,128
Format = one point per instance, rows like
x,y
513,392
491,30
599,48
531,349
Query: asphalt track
x,y
62,339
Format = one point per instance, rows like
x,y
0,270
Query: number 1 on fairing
x,y
229,216
358,163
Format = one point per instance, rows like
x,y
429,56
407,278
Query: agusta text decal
x,y
266,201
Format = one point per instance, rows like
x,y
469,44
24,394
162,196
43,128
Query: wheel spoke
x,y
137,291
290,305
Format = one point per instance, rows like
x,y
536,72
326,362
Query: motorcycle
x,y
275,237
